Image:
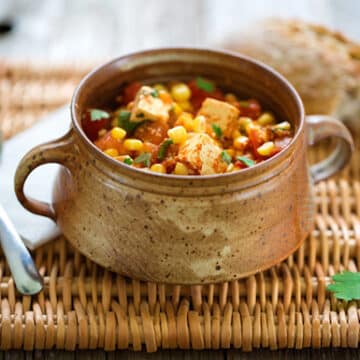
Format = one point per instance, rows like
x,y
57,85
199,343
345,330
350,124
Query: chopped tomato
x,y
108,142
92,127
130,92
154,132
250,108
199,95
152,149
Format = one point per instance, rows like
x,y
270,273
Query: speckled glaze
x,y
184,230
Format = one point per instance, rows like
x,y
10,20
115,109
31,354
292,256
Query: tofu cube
x,y
220,113
202,154
147,106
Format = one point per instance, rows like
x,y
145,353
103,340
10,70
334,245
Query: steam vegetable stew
x,y
186,129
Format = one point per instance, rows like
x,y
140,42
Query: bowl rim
x,y
256,169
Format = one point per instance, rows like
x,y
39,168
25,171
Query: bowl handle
x,y
322,127
59,151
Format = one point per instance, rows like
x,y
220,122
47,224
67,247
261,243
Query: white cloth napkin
x,y
34,229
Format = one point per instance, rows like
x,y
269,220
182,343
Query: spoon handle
x,y
27,278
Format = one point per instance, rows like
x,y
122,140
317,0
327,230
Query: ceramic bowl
x,y
185,229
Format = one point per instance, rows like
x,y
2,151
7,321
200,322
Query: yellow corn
x,y
230,168
266,149
178,134
160,87
102,132
181,169
245,124
285,125
230,98
266,119
111,152
180,92
177,109
133,144
235,134
240,142
118,133
186,119
199,124
159,168
186,105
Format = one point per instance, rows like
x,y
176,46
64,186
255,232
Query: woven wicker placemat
x,y
83,306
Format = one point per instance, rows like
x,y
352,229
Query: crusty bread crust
x,y
323,65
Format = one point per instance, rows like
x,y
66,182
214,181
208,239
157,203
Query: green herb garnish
x,y
96,114
205,85
128,160
226,157
217,130
346,285
154,93
125,123
144,158
163,148
248,162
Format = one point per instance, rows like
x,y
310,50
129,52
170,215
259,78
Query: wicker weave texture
x,y
84,306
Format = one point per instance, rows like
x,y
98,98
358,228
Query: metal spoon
x,y
27,278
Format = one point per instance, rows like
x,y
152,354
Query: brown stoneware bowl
x,y
185,229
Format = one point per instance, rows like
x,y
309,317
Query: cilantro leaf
x,y
155,93
205,85
225,157
128,160
144,158
248,162
96,114
163,148
346,285
125,123
217,130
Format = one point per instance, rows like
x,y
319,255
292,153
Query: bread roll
x,y
323,65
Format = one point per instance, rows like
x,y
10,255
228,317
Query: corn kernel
x,y
177,109
111,152
160,87
240,142
118,133
159,168
245,123
181,169
186,119
266,149
266,119
235,134
178,134
230,98
199,124
102,132
186,105
231,152
285,125
230,168
133,144
180,92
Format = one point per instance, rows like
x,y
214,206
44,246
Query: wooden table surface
x,y
63,30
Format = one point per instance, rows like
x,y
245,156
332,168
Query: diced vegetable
x,y
226,157
144,158
178,134
186,129
163,148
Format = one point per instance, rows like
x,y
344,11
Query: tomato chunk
x,y
92,127
130,92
